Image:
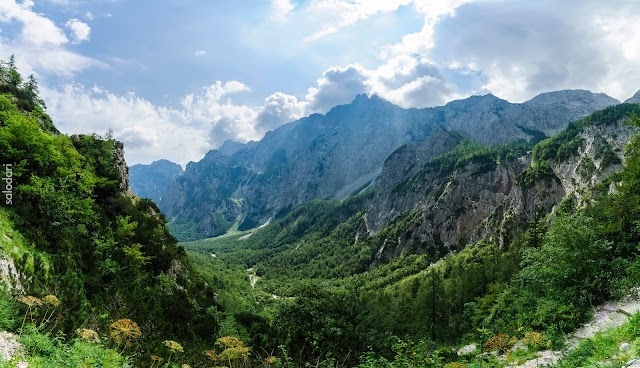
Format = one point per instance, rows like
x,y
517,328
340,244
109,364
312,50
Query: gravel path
x,y
607,316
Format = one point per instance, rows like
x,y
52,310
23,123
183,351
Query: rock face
x,y
121,166
205,195
634,99
152,181
340,153
447,210
230,147
9,275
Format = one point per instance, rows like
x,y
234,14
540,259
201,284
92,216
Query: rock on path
x,y
10,348
607,316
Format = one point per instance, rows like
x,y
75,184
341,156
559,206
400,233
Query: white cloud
x,y
520,49
149,131
513,49
278,109
40,45
409,81
89,15
202,122
37,30
422,41
200,53
81,31
281,9
337,86
347,13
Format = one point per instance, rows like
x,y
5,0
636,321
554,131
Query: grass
x,y
225,243
46,350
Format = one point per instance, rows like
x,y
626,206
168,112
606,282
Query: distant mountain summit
x,y
152,181
343,152
230,147
634,99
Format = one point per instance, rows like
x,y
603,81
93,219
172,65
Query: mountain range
x,y
339,154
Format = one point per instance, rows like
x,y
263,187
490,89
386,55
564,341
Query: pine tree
x,y
14,78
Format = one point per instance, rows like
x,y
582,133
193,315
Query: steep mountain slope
x,y
152,181
496,193
339,154
634,99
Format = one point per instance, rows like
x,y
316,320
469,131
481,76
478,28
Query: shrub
x,y
500,343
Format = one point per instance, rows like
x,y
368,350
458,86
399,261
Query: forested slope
x,y
560,238
80,252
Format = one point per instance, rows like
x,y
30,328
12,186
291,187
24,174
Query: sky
x,y
174,79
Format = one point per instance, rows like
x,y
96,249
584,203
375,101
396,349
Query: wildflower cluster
x,y
125,331
45,308
233,351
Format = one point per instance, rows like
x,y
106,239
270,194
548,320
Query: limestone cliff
x,y
445,210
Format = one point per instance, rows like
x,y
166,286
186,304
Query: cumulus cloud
x,y
89,15
513,49
408,81
200,53
423,41
40,45
37,30
138,137
80,30
202,122
278,109
338,85
521,49
411,81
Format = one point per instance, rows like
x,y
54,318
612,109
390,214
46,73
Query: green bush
x,y
8,308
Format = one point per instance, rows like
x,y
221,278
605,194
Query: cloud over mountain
x,y
305,57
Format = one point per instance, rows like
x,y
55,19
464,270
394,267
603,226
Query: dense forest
x,y
102,283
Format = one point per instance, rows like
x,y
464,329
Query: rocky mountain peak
x,y
634,99
151,181
230,147
572,96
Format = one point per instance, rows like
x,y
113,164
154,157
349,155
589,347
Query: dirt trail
x,y
253,278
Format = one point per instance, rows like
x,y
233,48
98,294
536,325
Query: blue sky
x,y
174,79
